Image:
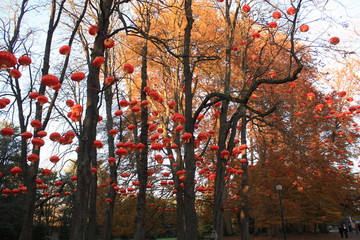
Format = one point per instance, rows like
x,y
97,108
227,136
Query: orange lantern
x,y
109,43
276,15
334,40
273,24
291,11
93,30
98,61
246,8
304,28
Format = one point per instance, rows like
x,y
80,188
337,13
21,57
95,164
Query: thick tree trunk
x,y
180,219
92,226
244,212
142,165
109,212
86,153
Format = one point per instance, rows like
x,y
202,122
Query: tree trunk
x,y
86,152
244,212
142,165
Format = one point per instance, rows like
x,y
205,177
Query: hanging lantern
x,y
291,11
334,40
256,35
34,95
113,132
15,170
109,80
123,103
33,158
24,61
98,144
128,68
109,43
26,135
36,124
15,73
6,191
7,132
7,60
77,76
55,136
98,61
246,8
65,50
186,137
46,172
111,161
304,28
118,113
172,104
41,134
69,103
273,24
73,178
276,15
37,142
56,87
42,100
54,159
121,152
49,80
93,30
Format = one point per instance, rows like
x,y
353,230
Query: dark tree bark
x,y
86,152
142,157
190,163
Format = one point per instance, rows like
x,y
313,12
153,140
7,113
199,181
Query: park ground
x,y
305,236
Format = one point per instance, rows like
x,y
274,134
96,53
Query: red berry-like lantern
x,y
273,24
93,30
128,68
15,73
24,60
7,132
109,43
54,159
49,80
276,15
77,76
334,40
304,28
291,11
98,61
65,50
7,60
246,8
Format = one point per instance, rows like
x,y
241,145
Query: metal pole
x,y
282,215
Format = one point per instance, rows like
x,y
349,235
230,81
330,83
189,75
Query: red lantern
x,y
186,137
65,50
128,68
124,103
109,80
111,161
49,80
276,15
42,100
113,132
33,158
121,152
24,61
36,124
98,144
6,191
109,43
93,30
55,136
256,35
98,61
273,25
118,113
15,73
26,135
73,178
54,159
69,103
291,11
214,148
15,170
37,142
34,95
56,87
246,8
7,60
304,28
334,40
7,132
77,76
172,104
93,170
41,134
46,172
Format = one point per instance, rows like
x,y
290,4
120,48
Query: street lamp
x,y
279,188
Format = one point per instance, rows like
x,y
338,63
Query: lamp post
x,y
279,188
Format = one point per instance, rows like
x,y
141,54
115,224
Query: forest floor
x,y
305,236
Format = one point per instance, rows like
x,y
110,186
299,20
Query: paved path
x,y
307,236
